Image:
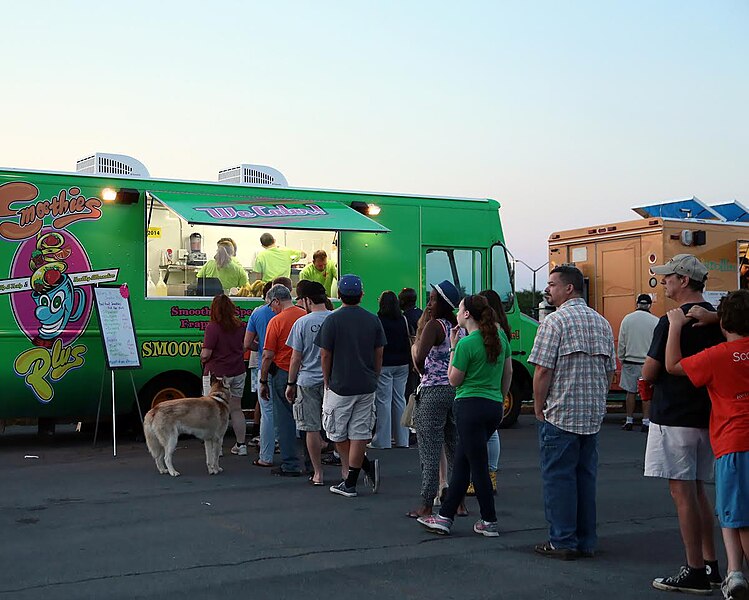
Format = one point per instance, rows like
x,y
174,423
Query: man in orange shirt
x,y
274,376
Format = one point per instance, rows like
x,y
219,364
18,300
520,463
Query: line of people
x,y
697,361
462,353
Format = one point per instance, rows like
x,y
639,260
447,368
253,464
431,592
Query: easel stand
x,y
114,412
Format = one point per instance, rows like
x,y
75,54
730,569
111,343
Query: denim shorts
x,y
732,490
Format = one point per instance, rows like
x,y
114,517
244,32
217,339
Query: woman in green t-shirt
x,y
480,370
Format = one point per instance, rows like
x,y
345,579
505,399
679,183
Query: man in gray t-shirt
x,y
351,342
305,385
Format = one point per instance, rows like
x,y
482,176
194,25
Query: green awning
x,y
263,211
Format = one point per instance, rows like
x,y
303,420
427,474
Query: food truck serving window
x,y
203,245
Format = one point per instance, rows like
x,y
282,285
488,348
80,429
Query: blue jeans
x,y
492,449
284,421
390,402
569,463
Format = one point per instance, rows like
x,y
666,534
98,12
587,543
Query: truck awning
x,y
250,210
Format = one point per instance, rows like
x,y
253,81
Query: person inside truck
x,y
275,261
320,270
744,273
225,268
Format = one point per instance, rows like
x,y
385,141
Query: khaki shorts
x,y
628,379
682,453
235,384
348,417
308,408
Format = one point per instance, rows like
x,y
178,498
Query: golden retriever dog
x,y
206,418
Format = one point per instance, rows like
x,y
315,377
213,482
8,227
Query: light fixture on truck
x,y
371,210
121,196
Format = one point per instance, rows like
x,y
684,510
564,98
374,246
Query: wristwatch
x,y
291,383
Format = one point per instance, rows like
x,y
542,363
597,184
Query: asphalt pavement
x,y
78,523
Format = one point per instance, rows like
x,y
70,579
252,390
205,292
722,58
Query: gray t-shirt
x,y
351,333
302,339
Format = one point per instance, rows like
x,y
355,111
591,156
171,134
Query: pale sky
x,y
567,112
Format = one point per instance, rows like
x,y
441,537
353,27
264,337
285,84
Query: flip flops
x,y
258,463
313,482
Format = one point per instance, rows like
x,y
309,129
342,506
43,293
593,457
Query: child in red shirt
x,y
724,370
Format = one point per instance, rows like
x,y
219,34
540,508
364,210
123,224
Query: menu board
x,y
116,325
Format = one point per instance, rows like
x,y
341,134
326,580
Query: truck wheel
x,y
512,404
168,386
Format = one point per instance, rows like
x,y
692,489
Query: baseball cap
x,y
644,299
686,265
448,291
349,285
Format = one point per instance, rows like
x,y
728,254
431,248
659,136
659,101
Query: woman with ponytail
x,y
480,370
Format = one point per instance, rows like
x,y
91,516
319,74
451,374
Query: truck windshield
x,y
460,267
503,275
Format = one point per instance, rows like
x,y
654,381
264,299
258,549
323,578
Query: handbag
x,y
407,418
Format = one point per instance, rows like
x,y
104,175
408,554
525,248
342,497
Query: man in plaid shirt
x,y
575,361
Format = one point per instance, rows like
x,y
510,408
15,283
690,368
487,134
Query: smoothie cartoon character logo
x,y
57,301
50,279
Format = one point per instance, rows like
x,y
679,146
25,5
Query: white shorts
x,y
348,417
682,453
628,379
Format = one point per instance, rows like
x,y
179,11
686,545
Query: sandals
x,y
259,463
313,482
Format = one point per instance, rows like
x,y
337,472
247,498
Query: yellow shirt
x,y
275,262
325,277
232,275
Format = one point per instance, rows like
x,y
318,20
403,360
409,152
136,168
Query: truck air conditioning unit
x,y
253,175
103,163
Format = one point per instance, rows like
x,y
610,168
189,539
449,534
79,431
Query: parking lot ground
x,y
78,523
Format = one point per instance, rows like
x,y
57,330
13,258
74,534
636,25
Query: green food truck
x,y
61,234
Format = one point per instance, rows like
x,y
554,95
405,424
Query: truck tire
x,y
168,386
519,392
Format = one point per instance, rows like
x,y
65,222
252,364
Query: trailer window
x,y
461,267
176,251
503,276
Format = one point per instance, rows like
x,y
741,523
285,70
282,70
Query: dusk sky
x,y
568,113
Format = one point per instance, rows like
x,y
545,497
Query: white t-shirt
x,y
302,339
635,335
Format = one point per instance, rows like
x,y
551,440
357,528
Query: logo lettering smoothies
x,y
50,278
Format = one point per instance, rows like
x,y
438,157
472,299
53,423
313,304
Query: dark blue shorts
x,y
732,490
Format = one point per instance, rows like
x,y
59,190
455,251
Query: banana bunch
x,y
251,290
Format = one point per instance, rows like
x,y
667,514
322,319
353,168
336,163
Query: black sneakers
x,y
713,574
688,580
627,426
372,475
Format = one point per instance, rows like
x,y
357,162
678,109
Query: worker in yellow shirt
x,y
320,270
275,261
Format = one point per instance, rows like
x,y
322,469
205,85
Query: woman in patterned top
x,y
433,415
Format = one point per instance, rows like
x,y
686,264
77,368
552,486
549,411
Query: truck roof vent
x,y
253,175
104,163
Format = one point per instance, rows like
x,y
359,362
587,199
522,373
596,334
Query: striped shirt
x,y
578,344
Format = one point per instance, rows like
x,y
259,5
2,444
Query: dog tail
x,y
151,440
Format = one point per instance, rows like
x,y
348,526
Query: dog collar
x,y
220,399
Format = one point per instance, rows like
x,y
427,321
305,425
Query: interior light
x,y
108,195
373,210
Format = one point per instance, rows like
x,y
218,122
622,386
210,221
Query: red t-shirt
x,y
277,333
227,358
724,370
